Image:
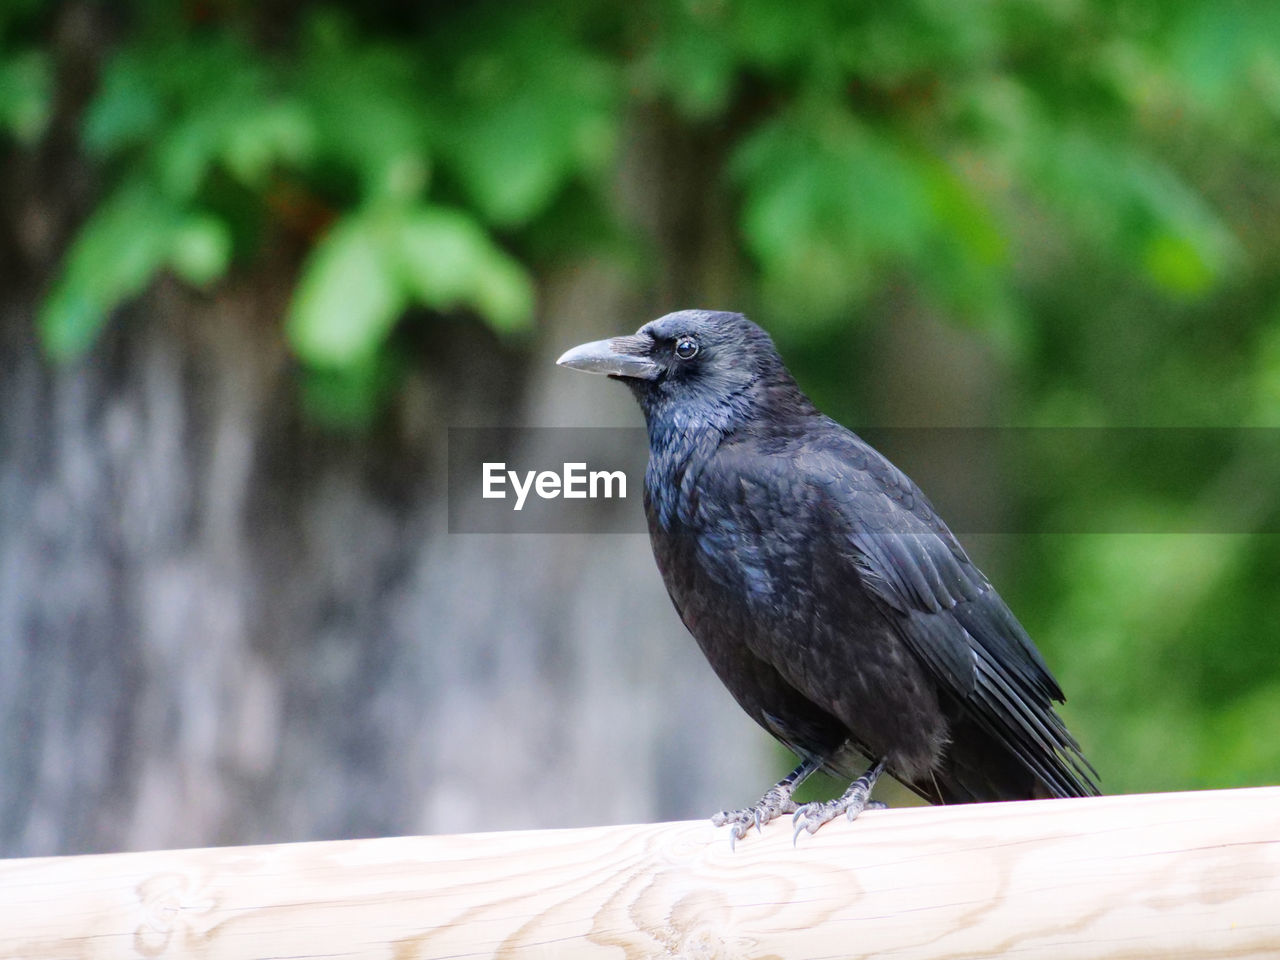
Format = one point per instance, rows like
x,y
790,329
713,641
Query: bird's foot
x,y
771,806
810,817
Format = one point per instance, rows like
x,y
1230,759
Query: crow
x,y
825,591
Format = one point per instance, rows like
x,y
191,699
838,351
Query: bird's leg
x,y
772,805
852,802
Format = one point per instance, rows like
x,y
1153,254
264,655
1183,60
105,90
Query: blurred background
x,y
256,258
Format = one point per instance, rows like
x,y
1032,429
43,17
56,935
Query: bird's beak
x,y
617,357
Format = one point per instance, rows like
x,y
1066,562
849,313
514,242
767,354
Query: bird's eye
x,y
686,348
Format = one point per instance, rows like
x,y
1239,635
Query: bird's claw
x,y
738,822
810,817
771,806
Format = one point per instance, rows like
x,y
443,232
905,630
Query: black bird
x,y
826,593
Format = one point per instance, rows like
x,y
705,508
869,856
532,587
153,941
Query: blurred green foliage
x,y
1089,187
862,142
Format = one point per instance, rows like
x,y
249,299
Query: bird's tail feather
x,y
976,768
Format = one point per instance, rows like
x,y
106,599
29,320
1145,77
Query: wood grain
x,y
1187,875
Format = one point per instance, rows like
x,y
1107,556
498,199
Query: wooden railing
x,y
1163,876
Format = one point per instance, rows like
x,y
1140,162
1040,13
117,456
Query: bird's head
x,y
690,360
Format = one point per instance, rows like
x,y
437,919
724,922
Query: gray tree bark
x,y
220,624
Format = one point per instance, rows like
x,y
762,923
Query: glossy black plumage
x,y
822,587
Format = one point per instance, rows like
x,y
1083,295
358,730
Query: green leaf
x,y
279,131
362,275
127,108
447,260
694,67
504,293
1216,48
349,295
1176,263
70,320
184,105
366,102
827,200
201,249
530,109
438,252
185,154
26,95
1117,195
115,255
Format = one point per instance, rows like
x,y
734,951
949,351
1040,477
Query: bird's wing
x,y
875,523
946,610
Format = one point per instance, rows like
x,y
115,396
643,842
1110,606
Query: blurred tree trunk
x,y
220,623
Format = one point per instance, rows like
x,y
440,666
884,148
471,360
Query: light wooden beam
x,y
1185,875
